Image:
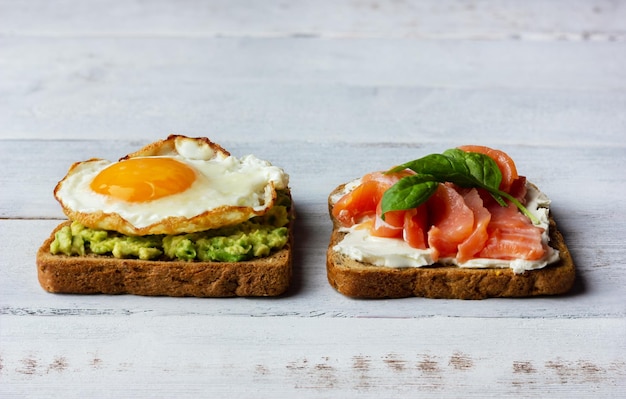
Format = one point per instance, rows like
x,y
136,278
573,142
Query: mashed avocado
x,y
254,238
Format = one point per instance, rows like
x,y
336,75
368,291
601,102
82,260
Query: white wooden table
x,y
329,90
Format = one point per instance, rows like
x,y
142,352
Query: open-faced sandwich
x,y
179,217
462,224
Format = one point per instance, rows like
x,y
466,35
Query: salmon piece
x,y
518,189
391,227
409,225
477,239
465,227
452,221
358,203
512,236
363,200
503,160
415,226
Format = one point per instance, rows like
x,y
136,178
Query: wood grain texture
x,y
595,20
328,90
312,89
191,355
186,356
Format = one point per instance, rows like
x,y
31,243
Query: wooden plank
x,y
96,62
448,19
190,356
313,89
322,115
295,60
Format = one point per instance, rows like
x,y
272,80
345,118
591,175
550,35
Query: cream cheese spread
x,y
360,245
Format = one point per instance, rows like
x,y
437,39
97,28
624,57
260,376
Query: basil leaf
x,y
481,169
483,172
466,169
436,165
409,192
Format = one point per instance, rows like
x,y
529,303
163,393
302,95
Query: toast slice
x,y
97,274
114,189
362,280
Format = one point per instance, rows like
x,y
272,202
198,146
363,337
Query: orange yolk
x,y
144,179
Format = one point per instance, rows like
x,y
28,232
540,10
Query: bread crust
x,y
97,274
363,280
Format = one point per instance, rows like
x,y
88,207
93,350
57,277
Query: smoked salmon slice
x,y
392,226
358,203
477,239
452,221
415,227
363,200
512,236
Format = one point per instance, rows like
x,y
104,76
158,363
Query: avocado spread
x,y
254,238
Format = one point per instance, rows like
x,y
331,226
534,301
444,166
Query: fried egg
x,y
177,185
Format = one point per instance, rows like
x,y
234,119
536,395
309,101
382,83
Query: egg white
x,y
220,181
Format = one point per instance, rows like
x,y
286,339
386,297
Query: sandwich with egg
x,y
462,224
179,217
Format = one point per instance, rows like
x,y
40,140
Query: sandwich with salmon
x,y
462,224
179,217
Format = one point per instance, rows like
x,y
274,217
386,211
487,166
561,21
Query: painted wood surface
x,y
184,355
329,91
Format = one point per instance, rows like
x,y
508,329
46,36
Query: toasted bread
x,y
96,274
362,280
83,269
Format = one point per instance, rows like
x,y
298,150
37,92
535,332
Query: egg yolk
x,y
144,179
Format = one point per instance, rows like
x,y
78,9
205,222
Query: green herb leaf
x,y
409,192
466,169
481,169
